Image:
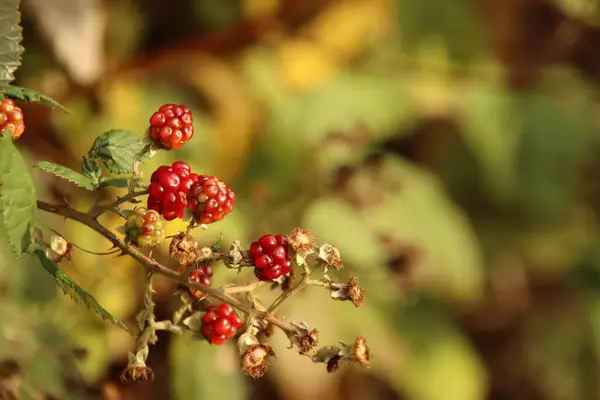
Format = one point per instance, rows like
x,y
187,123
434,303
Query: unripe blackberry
x,y
171,126
270,256
210,200
201,275
220,323
145,228
169,186
11,118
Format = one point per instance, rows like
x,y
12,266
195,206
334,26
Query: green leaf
x,y
68,174
91,169
79,296
117,150
115,182
17,196
31,96
10,37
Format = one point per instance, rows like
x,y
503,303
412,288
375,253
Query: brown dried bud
x,y
331,255
141,373
308,342
60,249
255,360
303,243
361,352
184,249
333,364
349,291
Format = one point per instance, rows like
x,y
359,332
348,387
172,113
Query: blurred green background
x,y
448,148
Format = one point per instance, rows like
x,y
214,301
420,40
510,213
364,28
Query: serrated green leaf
x,y
68,174
31,96
117,150
17,196
79,296
10,39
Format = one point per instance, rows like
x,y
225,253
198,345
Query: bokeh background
x,y
448,148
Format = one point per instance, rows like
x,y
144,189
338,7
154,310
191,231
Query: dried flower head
x,y
331,256
361,352
184,249
255,360
134,373
308,342
348,291
302,243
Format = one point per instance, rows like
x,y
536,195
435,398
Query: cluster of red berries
x,y
145,228
168,189
220,323
11,118
201,275
210,200
171,126
270,256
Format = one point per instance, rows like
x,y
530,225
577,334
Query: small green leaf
x,y
91,169
17,196
31,96
79,296
68,174
10,39
117,149
115,182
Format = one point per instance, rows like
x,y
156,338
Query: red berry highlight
x,y
11,118
220,323
210,200
169,187
171,126
270,256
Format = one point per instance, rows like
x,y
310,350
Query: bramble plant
x,y
283,263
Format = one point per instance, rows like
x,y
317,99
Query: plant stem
x,y
152,265
243,288
98,210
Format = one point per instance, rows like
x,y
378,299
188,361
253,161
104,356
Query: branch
x,y
153,266
98,210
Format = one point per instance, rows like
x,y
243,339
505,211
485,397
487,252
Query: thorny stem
x,y
98,210
287,294
155,267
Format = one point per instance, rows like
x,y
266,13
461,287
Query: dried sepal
x,y
351,291
302,243
235,253
330,255
357,352
137,370
303,338
361,352
194,321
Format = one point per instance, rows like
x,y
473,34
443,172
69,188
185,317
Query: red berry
x,y
168,189
11,118
220,323
210,200
270,256
202,276
171,126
